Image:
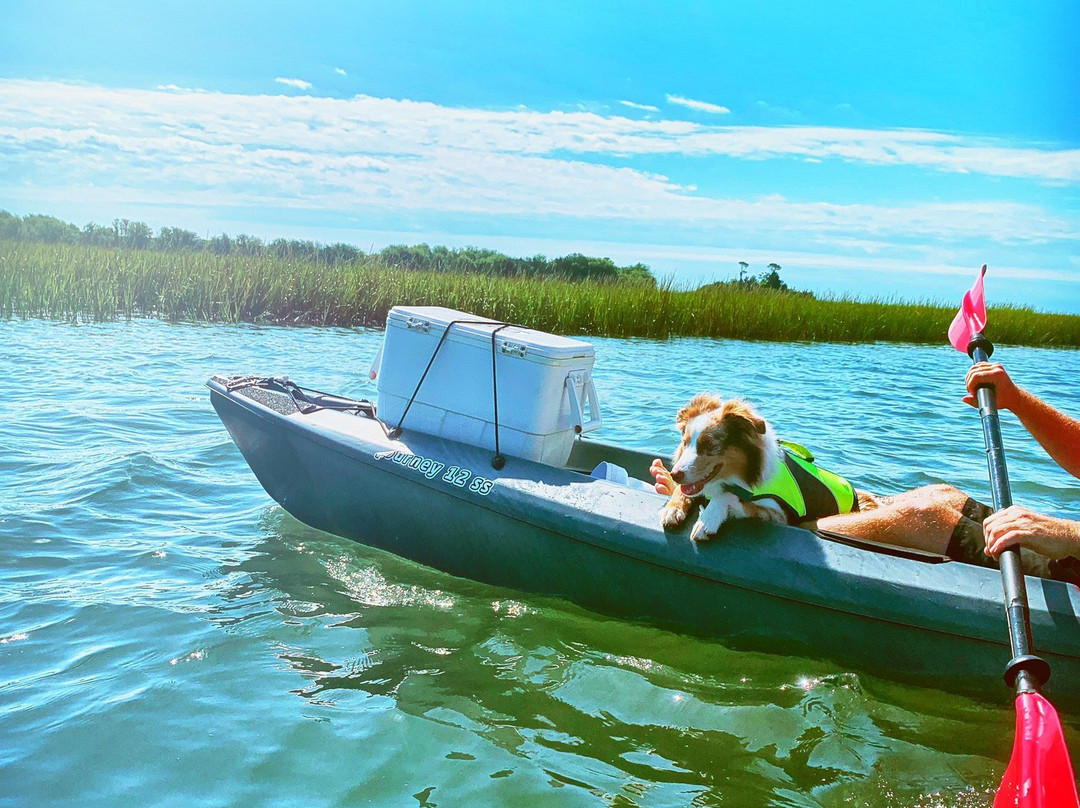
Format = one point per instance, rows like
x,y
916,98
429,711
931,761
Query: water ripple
x,y
160,618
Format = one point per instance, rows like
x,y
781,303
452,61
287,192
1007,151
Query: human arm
x,y
1055,431
1017,526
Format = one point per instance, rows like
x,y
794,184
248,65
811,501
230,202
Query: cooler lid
x,y
437,318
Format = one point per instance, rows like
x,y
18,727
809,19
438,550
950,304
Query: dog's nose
x,y
678,476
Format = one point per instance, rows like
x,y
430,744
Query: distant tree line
x,y
127,234
766,280
763,280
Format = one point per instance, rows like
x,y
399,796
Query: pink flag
x,y
971,317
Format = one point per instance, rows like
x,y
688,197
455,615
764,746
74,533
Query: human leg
x,y
924,518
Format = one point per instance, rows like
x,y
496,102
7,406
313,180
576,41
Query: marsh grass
x,y
67,282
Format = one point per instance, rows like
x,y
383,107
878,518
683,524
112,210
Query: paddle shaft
x,y
1024,664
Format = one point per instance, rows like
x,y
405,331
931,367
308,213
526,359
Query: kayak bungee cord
x,y
301,396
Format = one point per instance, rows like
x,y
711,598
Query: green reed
x,y
67,282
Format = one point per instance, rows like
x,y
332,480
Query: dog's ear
x,y
745,430
702,402
739,409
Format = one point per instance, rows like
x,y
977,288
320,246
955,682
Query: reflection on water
x,y
621,711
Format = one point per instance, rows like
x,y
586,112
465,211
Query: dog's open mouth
x,y
693,489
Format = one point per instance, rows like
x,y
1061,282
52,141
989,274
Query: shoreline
x,y
65,282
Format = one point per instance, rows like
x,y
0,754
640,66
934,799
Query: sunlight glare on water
x,y
170,636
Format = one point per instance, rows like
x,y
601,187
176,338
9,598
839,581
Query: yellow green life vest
x,y
804,490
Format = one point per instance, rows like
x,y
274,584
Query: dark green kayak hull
x,y
560,532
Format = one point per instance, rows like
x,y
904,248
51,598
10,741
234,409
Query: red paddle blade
x,y
1039,773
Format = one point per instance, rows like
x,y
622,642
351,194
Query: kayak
x,y
586,528
477,460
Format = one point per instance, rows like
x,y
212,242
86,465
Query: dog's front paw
x,y
718,512
671,517
701,532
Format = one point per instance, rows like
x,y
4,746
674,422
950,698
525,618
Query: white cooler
x,y
545,389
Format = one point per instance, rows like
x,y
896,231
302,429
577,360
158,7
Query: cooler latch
x,y
513,349
416,324
587,398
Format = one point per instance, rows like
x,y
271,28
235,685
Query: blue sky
x,y
871,149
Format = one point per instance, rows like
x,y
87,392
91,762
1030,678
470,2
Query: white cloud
x,y
401,126
178,89
340,71
646,107
420,160
701,106
299,84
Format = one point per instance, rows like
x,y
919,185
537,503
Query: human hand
x,y
664,484
987,373
1017,526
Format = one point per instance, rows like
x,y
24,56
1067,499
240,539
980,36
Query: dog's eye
x,y
709,444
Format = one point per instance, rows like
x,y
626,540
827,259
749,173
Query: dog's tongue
x,y
690,490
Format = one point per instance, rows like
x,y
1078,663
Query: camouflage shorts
x,y
968,544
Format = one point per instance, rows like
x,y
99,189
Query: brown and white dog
x,y
723,443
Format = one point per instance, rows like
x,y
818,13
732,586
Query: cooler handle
x,y
589,397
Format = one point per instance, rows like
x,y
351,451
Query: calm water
x,y
170,637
